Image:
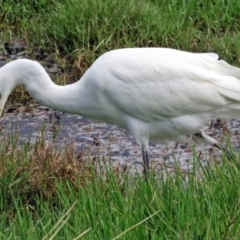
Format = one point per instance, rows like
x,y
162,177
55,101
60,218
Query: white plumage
x,y
157,94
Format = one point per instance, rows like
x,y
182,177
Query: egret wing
x,y
158,84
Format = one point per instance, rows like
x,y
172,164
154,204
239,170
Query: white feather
x,y
157,94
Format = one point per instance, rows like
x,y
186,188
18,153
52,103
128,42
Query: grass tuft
x,y
86,29
54,194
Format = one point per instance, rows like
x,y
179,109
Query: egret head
x,y
24,72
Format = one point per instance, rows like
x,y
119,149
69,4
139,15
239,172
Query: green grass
x,y
76,32
86,29
48,194
52,194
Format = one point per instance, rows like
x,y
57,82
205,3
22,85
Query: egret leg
x,y
227,152
214,142
145,162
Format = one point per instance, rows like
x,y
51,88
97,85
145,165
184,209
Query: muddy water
x,y
99,139
96,138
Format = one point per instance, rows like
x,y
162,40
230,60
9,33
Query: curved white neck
x,y
73,98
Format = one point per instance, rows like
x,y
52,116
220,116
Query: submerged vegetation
x,y
52,194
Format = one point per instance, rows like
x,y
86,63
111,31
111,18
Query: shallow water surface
x,y
101,139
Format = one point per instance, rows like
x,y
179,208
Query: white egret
x,y
157,94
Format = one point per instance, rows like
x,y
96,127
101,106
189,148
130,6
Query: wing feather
x,y
157,84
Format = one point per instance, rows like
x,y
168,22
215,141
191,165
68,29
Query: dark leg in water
x,y
203,136
226,151
145,162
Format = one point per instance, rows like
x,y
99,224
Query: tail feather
x,y
211,56
226,69
227,81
